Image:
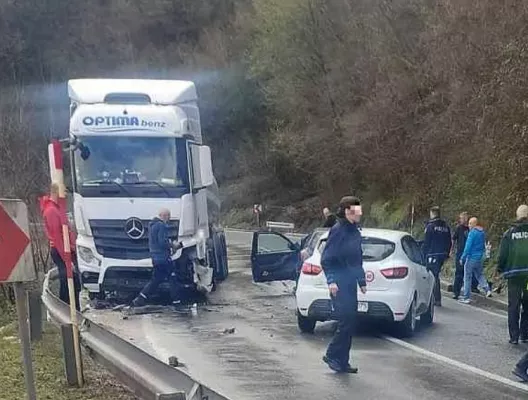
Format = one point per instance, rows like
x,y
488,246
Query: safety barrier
x,y
146,376
280,225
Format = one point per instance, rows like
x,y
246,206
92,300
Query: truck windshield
x,y
132,167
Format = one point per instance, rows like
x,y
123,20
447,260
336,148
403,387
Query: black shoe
x,y
455,297
350,369
475,290
523,375
438,304
333,364
524,339
514,341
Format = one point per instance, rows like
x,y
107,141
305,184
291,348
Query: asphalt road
x,y
465,355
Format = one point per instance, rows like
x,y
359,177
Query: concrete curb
x,y
480,300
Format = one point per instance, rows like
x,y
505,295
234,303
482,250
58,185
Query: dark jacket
x,y
343,254
513,253
330,221
460,237
159,242
437,238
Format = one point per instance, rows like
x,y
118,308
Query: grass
x,y
49,371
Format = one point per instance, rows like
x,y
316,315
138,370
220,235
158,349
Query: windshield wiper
x,y
101,182
154,183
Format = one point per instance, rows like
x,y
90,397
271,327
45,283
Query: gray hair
x,y
522,212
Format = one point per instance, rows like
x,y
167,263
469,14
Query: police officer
x,y
160,248
436,247
513,265
342,263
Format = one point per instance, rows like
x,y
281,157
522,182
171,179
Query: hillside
x,y
398,101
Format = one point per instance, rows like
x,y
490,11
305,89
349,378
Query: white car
x,y
399,286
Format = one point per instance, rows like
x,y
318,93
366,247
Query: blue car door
x,y
274,257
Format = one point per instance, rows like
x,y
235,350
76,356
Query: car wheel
x,y
306,325
407,327
428,317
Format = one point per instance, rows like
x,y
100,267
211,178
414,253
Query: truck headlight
x,y
86,255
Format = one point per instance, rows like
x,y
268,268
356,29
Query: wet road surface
x,y
267,358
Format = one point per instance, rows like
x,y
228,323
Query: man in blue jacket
x,y
342,262
473,260
436,247
161,248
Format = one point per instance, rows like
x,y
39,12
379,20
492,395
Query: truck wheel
x,y
220,264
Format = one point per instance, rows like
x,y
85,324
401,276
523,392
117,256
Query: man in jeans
x,y
459,242
473,260
436,247
513,265
160,248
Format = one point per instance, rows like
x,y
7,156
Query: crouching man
x,y
161,248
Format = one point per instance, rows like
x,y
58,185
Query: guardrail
x,y
280,225
146,376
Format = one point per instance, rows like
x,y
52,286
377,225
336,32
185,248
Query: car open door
x,y
274,257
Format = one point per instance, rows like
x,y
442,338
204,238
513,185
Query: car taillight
x,y
311,269
395,273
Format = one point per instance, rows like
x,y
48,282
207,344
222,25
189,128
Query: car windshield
x,y
374,249
122,163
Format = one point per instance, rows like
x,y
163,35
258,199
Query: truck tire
x,y
219,262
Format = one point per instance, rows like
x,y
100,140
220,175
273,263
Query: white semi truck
x,y
136,147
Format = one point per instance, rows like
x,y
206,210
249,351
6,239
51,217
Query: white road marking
x,y
458,364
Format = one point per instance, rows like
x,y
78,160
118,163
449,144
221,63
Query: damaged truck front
x,y
136,147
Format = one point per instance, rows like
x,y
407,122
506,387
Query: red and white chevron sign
x,y
16,258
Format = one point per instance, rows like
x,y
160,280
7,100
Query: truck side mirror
x,y
202,168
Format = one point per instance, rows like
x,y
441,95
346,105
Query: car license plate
x,y
362,306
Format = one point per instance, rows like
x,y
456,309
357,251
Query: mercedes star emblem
x,y
134,228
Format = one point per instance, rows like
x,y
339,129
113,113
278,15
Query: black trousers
x,y
161,272
434,264
64,294
345,310
517,298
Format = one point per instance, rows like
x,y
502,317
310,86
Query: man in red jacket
x,y
53,221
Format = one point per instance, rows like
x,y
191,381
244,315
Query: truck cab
x,y
137,148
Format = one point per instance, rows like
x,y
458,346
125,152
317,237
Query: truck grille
x,y
112,241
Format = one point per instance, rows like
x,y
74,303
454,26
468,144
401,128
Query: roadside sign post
x,y
16,266
57,176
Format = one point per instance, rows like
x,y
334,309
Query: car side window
x,y
269,243
411,248
417,250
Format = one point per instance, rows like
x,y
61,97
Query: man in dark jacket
x,y
161,249
330,219
513,265
436,247
342,262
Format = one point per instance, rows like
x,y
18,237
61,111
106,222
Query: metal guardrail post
x,y
35,316
68,351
